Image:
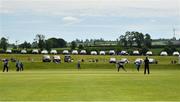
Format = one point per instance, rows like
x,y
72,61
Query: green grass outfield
x,y
94,82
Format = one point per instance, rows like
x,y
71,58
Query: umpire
x,y
146,65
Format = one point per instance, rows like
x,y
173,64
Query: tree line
x,y
39,42
137,39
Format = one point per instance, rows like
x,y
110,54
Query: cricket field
x,y
98,81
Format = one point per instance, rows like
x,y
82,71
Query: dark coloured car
x,y
67,58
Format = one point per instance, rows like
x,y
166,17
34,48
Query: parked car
x,y
152,61
74,52
123,53
102,53
149,53
83,52
136,52
44,52
53,52
164,53
35,51
112,52
23,51
67,58
8,51
112,60
176,53
46,58
65,52
124,60
139,60
93,53
56,58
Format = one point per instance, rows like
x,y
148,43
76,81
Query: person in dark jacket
x,y
17,65
79,65
21,66
5,67
146,65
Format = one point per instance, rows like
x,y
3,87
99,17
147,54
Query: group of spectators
x,y
19,65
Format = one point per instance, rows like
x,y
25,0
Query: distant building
x,y
165,42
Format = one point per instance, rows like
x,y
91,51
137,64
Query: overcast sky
x,y
70,19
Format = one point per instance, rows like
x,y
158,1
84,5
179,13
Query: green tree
x,y
61,43
144,50
25,45
123,40
57,42
80,47
148,41
73,45
41,41
4,43
48,44
170,48
34,44
139,38
130,38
